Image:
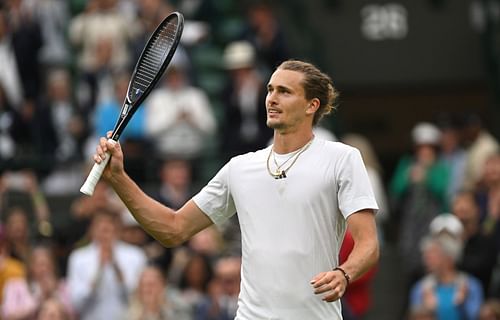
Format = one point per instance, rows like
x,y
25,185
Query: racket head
x,y
155,57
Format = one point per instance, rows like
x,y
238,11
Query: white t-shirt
x,y
291,228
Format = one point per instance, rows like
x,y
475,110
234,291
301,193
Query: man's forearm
x,y
365,253
157,219
361,259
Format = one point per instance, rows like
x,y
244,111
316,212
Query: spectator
x,y
176,185
17,232
10,268
222,300
244,128
45,282
418,187
488,195
104,273
153,299
480,144
266,34
27,42
479,256
452,154
374,170
26,182
60,130
53,16
101,37
179,118
450,293
197,273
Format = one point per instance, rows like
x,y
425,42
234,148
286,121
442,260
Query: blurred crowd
x,y
64,72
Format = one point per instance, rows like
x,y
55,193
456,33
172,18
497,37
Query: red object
x,y
358,295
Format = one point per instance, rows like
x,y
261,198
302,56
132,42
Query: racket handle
x,y
94,176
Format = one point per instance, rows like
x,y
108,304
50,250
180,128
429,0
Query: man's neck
x,y
286,142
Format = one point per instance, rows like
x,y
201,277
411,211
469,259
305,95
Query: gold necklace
x,y
281,173
278,166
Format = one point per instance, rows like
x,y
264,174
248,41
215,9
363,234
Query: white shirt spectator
x,y
107,298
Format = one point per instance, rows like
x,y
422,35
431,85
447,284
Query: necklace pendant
x,y
279,174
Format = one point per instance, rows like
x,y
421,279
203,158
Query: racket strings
x,y
153,58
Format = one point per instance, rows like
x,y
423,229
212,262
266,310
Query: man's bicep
x,y
362,225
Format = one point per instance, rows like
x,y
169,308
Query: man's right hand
x,y
115,166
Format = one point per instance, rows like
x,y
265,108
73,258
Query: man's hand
x,y
332,284
115,166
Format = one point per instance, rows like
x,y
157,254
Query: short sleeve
x,y
215,198
355,190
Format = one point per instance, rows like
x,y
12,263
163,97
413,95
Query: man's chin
x,y
273,124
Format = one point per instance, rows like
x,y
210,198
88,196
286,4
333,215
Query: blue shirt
x,y
107,114
446,308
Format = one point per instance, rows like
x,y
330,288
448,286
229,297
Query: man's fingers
x,y
103,145
333,295
320,280
112,146
324,288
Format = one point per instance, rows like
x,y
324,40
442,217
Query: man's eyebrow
x,y
279,87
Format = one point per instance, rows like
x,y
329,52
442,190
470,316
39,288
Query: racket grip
x,y
94,176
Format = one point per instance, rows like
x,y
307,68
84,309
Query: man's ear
x,y
313,106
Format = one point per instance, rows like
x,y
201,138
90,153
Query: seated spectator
x,y
452,294
153,299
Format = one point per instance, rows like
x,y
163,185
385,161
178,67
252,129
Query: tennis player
x,y
294,200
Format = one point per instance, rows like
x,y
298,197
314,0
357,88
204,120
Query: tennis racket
x,y
153,61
